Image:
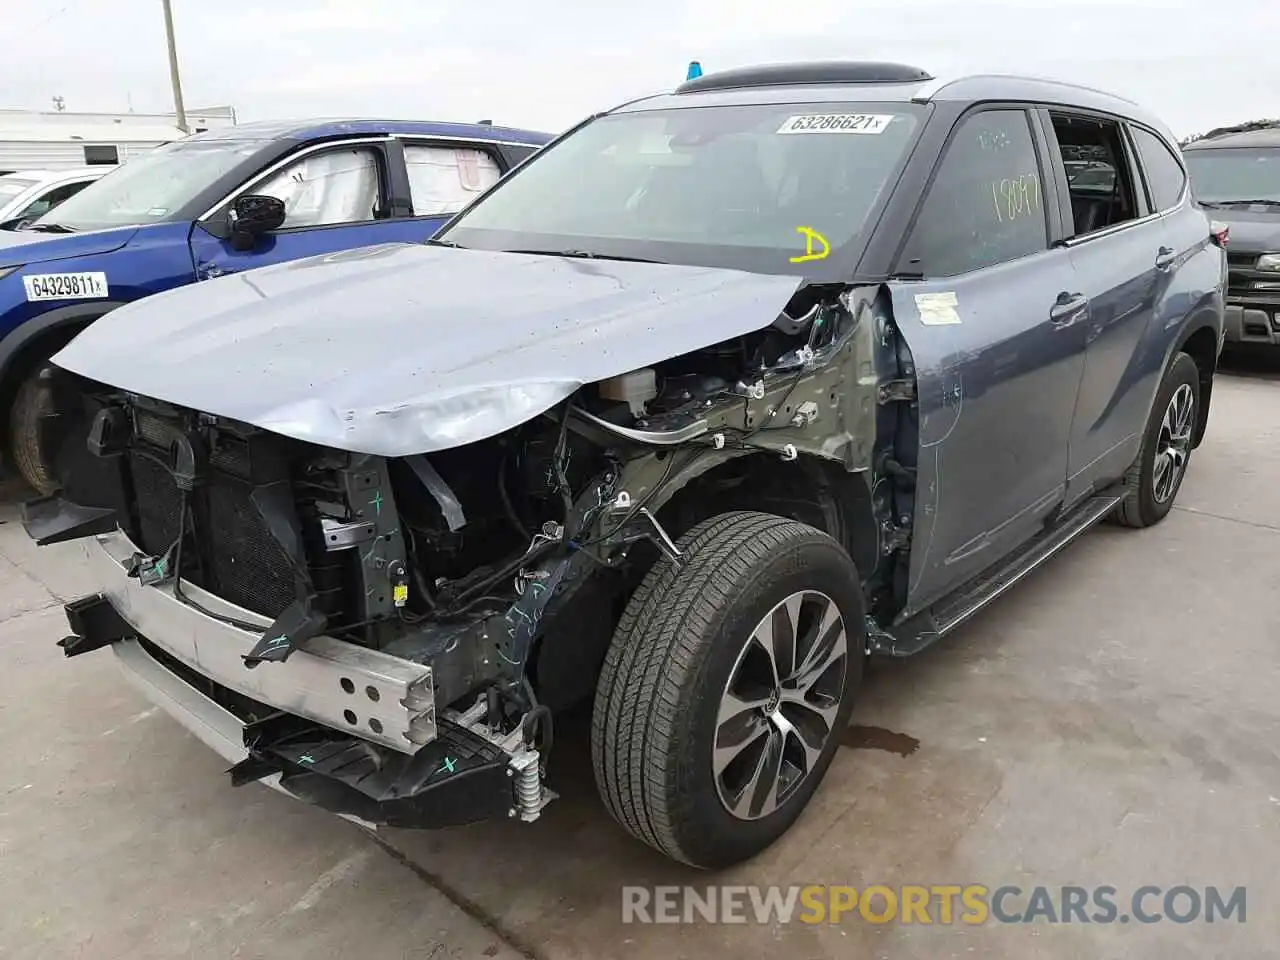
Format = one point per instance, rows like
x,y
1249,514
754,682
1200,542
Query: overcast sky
x,y
546,63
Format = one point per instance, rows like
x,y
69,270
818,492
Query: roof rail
x,y
935,89
790,74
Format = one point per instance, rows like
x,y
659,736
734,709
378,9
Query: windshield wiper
x,y
585,255
1245,203
49,228
445,243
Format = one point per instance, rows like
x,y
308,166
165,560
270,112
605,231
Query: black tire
x,y
30,404
674,650
1142,507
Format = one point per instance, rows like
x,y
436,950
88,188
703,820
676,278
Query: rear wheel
x,y
726,687
30,404
1156,476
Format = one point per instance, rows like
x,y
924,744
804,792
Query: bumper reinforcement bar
x,y
362,692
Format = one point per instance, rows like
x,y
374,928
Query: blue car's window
x,y
151,187
1226,174
769,186
986,203
326,188
443,180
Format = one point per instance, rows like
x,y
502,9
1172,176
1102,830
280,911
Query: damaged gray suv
x,y
713,398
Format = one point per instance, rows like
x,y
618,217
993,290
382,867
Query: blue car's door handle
x,y
1067,307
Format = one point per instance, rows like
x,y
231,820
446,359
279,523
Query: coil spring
x,y
529,788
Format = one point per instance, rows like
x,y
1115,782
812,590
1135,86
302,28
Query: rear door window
x,y
986,203
443,180
1100,172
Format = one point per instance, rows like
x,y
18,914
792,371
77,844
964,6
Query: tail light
x,y
1218,233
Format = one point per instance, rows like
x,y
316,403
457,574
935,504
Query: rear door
x,y
1126,246
337,196
996,331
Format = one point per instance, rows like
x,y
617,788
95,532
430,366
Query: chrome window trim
x,y
476,140
1117,228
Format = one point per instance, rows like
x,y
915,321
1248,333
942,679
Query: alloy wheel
x,y
779,705
1174,444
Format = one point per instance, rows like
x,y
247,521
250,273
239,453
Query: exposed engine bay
x,y
503,564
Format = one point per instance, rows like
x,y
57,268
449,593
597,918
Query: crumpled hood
x,y
408,348
26,246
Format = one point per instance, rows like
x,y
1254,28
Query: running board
x,y
930,625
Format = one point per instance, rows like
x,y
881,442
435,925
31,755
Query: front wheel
x,y
726,687
1156,476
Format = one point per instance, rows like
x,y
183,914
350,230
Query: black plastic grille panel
x,y
236,557
158,502
250,569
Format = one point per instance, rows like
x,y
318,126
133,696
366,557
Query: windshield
x,y
767,188
10,187
151,187
1225,174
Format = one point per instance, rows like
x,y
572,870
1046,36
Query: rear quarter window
x,y
1165,176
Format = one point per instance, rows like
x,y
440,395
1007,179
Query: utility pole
x,y
174,81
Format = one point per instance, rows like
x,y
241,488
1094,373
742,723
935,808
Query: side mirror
x,y
253,215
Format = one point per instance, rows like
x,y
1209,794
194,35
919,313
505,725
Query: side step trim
x,y
1024,561
923,629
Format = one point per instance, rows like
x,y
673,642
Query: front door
x,y
336,197
997,336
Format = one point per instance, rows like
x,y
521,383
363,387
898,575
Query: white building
x,y
58,140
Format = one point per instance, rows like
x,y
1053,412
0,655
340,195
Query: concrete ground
x,y
1112,721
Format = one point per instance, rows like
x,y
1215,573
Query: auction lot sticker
x,y
65,286
837,123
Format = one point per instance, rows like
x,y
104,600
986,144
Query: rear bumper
x,y
1252,323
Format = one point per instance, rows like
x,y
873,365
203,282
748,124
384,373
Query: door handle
x,y
1067,307
1164,258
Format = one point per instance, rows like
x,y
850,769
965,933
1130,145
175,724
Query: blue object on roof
x,y
695,70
